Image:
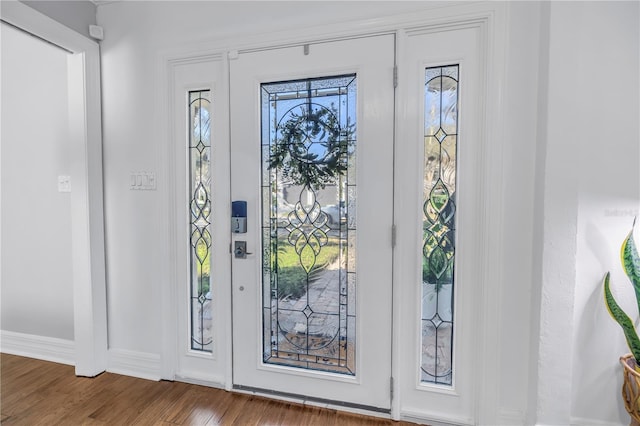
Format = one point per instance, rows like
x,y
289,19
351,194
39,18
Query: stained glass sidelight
x,y
439,212
200,210
309,223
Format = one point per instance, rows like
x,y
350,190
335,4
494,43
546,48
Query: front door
x,y
312,155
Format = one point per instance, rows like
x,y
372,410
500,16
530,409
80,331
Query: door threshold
x,y
317,402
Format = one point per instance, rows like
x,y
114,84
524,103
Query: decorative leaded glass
x,y
200,211
439,210
309,223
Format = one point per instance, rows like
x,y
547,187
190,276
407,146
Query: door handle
x,y
240,250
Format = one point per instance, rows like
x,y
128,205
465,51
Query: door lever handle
x,y
240,250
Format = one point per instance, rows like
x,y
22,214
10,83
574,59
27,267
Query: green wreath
x,y
296,132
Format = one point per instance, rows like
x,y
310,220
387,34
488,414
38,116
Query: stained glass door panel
x,y
312,307
308,227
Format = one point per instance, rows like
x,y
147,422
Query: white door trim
x,y
87,222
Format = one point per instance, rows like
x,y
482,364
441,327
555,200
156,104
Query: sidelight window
x,y
199,156
438,219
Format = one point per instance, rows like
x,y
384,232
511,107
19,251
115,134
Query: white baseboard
x,y
508,416
433,419
200,379
578,421
39,347
136,364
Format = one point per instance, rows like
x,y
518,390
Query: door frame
x,y
87,220
493,19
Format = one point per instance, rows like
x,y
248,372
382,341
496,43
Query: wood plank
x,y
35,392
159,410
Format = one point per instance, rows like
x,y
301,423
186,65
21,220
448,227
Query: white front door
x,y
312,155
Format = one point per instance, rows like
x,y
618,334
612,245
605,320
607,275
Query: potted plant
x,y
631,369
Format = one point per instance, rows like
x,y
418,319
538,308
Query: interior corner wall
x,y
591,189
559,218
537,241
36,272
608,159
520,94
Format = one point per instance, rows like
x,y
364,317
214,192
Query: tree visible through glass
x,y
439,211
309,223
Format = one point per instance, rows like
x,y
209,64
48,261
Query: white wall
x,y
36,271
608,153
592,191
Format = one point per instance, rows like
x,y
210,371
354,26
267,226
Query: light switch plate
x,y
142,181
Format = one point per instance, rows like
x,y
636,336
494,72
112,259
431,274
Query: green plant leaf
x,y
631,262
623,319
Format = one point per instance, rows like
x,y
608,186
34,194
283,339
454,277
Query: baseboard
x,y
200,379
136,364
434,419
39,347
508,416
578,421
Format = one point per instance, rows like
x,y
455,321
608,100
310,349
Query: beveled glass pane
x,y
351,170
438,218
437,352
351,252
351,293
201,336
308,130
449,105
441,102
448,163
265,167
199,152
351,206
432,101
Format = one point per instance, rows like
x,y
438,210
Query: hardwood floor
x,y
35,392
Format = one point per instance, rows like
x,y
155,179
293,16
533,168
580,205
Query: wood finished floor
x,y
35,392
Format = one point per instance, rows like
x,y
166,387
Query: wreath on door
x,y
311,148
